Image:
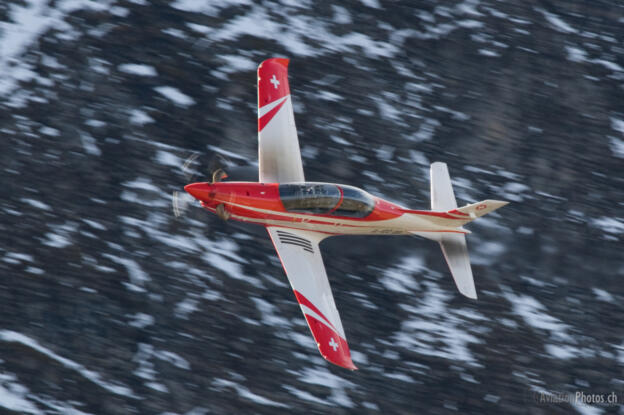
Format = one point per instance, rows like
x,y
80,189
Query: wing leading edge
x,y
279,157
301,258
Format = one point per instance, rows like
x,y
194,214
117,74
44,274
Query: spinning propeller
x,y
181,200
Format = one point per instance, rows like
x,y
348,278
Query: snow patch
x,y
269,313
141,183
515,192
36,204
175,95
341,15
206,7
245,393
25,25
373,4
146,369
612,66
13,396
16,258
609,225
535,315
425,131
49,131
138,277
335,384
603,295
617,125
90,144
168,159
431,330
56,240
94,224
617,144
303,395
576,54
489,53
137,69
556,22
237,63
186,307
400,279
141,320
10,336
140,117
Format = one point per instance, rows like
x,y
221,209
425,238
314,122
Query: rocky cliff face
x,y
111,306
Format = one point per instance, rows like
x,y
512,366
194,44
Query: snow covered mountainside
x,y
110,305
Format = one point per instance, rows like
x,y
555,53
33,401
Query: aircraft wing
x,y
300,255
279,158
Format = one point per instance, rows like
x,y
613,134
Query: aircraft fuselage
x,y
322,207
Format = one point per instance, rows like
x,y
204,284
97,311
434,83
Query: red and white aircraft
x,y
298,215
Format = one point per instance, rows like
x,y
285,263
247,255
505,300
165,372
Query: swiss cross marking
x,y
333,344
274,81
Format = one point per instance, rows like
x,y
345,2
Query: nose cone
x,y
199,191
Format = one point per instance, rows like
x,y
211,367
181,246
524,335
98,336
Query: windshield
x,y
324,198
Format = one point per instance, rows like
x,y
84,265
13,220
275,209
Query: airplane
x,y
298,215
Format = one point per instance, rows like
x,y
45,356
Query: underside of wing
x,y
299,252
279,157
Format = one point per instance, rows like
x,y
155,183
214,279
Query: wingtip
x,y
469,291
345,362
351,367
472,296
340,358
282,61
498,203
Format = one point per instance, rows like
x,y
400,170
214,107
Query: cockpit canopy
x,y
326,199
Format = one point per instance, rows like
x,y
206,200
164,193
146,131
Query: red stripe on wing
x,y
302,300
458,213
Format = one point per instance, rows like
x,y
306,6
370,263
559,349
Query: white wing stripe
x,y
269,107
311,313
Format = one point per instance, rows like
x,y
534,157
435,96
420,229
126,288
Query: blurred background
x,y
111,305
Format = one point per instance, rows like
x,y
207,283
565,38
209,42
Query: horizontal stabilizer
x,y
456,255
479,209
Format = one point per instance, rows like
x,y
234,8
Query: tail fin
x,y
454,245
442,196
476,210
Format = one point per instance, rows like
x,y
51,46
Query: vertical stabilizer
x,y
453,245
442,196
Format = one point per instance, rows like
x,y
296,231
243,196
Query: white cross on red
x,y
333,344
274,81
